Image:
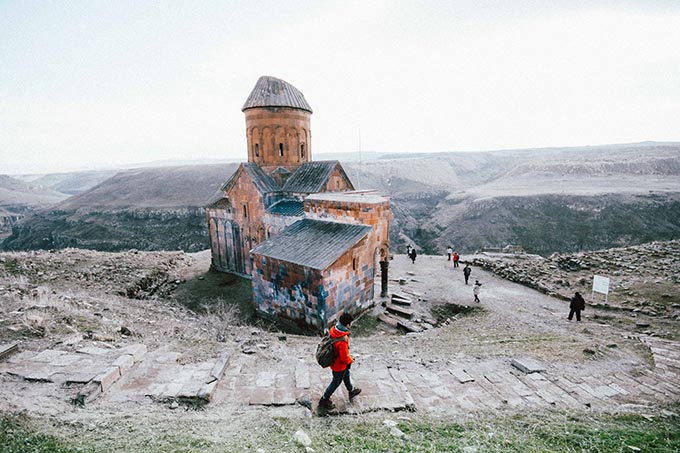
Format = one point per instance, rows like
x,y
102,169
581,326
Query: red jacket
x,y
342,350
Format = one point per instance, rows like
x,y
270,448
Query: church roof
x,y
311,177
287,208
273,92
312,243
263,182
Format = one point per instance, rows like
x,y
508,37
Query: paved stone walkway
x,y
121,376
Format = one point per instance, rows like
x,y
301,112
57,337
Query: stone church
x,y
310,242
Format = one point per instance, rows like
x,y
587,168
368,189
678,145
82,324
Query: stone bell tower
x,y
277,126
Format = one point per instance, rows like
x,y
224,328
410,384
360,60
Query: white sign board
x,y
600,284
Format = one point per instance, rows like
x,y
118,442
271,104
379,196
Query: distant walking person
x,y
475,290
466,272
577,304
413,255
342,363
456,258
449,251
408,250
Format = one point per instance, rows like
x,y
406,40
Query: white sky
x,y
91,82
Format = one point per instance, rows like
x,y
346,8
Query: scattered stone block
x,y
218,370
8,349
108,377
88,393
527,365
207,391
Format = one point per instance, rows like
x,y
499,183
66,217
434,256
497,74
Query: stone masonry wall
x,y
267,127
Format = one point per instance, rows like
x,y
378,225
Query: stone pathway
x,y
285,374
130,374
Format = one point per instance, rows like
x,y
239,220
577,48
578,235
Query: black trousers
x,y
571,314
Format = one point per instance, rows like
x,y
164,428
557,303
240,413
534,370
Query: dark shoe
x,y
354,392
326,404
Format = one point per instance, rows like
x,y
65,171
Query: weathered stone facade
x,y
259,224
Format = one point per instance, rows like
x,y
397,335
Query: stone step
x,y
399,311
411,327
389,320
401,300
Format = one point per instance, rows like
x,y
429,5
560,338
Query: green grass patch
x,y
18,436
526,432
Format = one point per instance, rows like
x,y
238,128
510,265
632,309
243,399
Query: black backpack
x,y
325,352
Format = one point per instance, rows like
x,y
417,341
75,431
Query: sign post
x,y
600,285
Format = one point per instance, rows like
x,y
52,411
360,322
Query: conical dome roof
x,y
273,92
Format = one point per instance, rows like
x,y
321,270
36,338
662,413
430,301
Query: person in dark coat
x,y
577,304
413,255
466,272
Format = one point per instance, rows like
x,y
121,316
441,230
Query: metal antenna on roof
x,y
361,167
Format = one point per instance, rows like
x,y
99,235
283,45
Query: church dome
x,y
273,92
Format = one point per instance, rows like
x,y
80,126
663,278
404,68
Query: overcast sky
x,y
86,83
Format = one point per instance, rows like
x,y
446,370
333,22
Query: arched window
x,y
302,150
257,150
280,149
354,264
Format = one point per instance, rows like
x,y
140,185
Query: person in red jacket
x,y
342,364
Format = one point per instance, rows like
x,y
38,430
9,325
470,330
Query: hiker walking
x,y
466,272
475,290
342,364
408,250
576,305
449,251
412,254
456,258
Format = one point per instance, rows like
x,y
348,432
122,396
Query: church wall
x,y
248,211
290,291
312,298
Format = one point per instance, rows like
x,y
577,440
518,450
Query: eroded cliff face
x,y
113,230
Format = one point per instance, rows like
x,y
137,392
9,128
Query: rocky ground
x,y
169,324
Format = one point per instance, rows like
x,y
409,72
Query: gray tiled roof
x,y
287,208
311,177
263,182
312,243
273,92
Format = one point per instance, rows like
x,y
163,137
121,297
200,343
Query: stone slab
x,y
218,369
388,319
48,356
8,349
207,391
124,363
461,375
108,377
302,380
93,350
135,350
527,365
399,310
